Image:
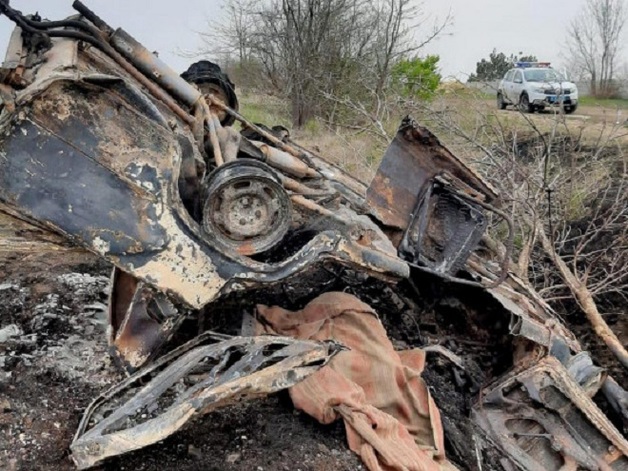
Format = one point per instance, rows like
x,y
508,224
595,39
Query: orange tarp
x,y
390,419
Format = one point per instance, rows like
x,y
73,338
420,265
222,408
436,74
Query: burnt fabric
x,y
390,419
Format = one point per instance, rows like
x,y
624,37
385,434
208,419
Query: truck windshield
x,y
543,75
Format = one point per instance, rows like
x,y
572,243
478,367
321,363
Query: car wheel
x,y
570,109
501,104
524,103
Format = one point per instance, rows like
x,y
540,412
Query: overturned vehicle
x,y
106,146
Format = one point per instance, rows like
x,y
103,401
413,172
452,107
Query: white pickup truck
x,y
534,85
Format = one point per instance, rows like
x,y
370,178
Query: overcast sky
x,y
534,27
531,26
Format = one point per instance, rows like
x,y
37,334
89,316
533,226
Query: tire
x,y
501,104
524,103
570,109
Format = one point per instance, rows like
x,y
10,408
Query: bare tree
x,y
594,40
231,36
396,25
311,49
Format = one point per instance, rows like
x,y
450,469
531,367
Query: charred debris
x,y
104,144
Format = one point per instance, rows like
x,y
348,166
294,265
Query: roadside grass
x,y
613,103
356,152
466,122
265,109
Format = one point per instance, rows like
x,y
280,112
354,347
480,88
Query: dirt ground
x,y
596,120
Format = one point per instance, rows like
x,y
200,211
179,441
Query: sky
x,y
167,26
534,27
530,26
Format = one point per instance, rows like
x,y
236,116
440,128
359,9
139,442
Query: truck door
x,y
517,86
507,84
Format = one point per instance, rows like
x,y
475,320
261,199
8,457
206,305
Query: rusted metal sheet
x,y
411,162
209,372
542,419
141,319
435,206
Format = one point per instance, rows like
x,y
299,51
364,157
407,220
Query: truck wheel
x,y
524,103
570,109
501,104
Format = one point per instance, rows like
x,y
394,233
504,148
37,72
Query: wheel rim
x,y
246,207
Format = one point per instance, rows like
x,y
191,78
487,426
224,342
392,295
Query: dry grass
x,y
265,109
357,153
459,118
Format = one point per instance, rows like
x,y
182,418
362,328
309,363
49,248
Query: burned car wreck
x,y
105,145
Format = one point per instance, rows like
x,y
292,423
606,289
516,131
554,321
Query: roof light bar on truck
x,y
525,65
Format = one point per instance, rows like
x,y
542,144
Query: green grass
x,y
269,112
604,102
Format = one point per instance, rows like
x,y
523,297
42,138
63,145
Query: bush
x,y
417,78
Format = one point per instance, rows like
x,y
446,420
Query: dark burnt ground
x,y
58,363
266,434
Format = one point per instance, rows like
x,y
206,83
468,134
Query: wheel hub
x,y
246,207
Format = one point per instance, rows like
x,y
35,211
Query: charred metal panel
x,y
443,231
108,129
115,192
88,165
434,204
207,373
54,182
413,159
141,321
543,420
